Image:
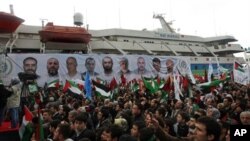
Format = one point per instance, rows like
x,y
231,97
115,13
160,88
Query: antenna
x,y
11,9
43,20
165,25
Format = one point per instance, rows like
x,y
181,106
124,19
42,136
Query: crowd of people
x,y
129,116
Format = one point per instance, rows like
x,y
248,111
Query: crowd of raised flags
x,y
178,84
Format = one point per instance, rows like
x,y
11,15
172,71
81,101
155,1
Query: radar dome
x,y
78,19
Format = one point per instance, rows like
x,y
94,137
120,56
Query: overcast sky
x,y
204,18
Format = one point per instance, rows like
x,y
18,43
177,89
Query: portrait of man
x,y
90,66
108,73
30,65
124,70
52,71
156,63
141,69
170,66
52,67
71,64
29,79
170,71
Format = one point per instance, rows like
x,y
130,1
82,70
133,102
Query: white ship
x,y
164,42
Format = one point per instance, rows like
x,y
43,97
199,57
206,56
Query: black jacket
x,y
4,94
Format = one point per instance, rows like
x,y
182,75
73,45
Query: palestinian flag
x,y
54,84
238,66
39,132
73,86
26,130
101,90
211,84
100,81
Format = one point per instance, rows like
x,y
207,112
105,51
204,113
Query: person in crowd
x,y
52,127
245,117
81,130
181,128
47,118
127,137
4,94
62,132
13,102
29,80
136,127
206,128
137,111
111,133
147,134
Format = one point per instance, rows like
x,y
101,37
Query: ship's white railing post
x,y
149,51
12,40
165,45
191,50
89,49
120,50
42,47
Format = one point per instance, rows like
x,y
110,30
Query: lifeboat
x,y
66,34
9,23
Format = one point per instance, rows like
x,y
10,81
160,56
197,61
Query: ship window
x,y
125,40
216,47
195,59
246,59
180,44
190,44
197,45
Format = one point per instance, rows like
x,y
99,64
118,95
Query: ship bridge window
x,y
197,45
125,40
180,44
216,47
150,42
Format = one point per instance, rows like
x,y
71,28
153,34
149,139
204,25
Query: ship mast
x,y
166,27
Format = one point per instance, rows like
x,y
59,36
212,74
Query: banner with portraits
x,y
100,66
